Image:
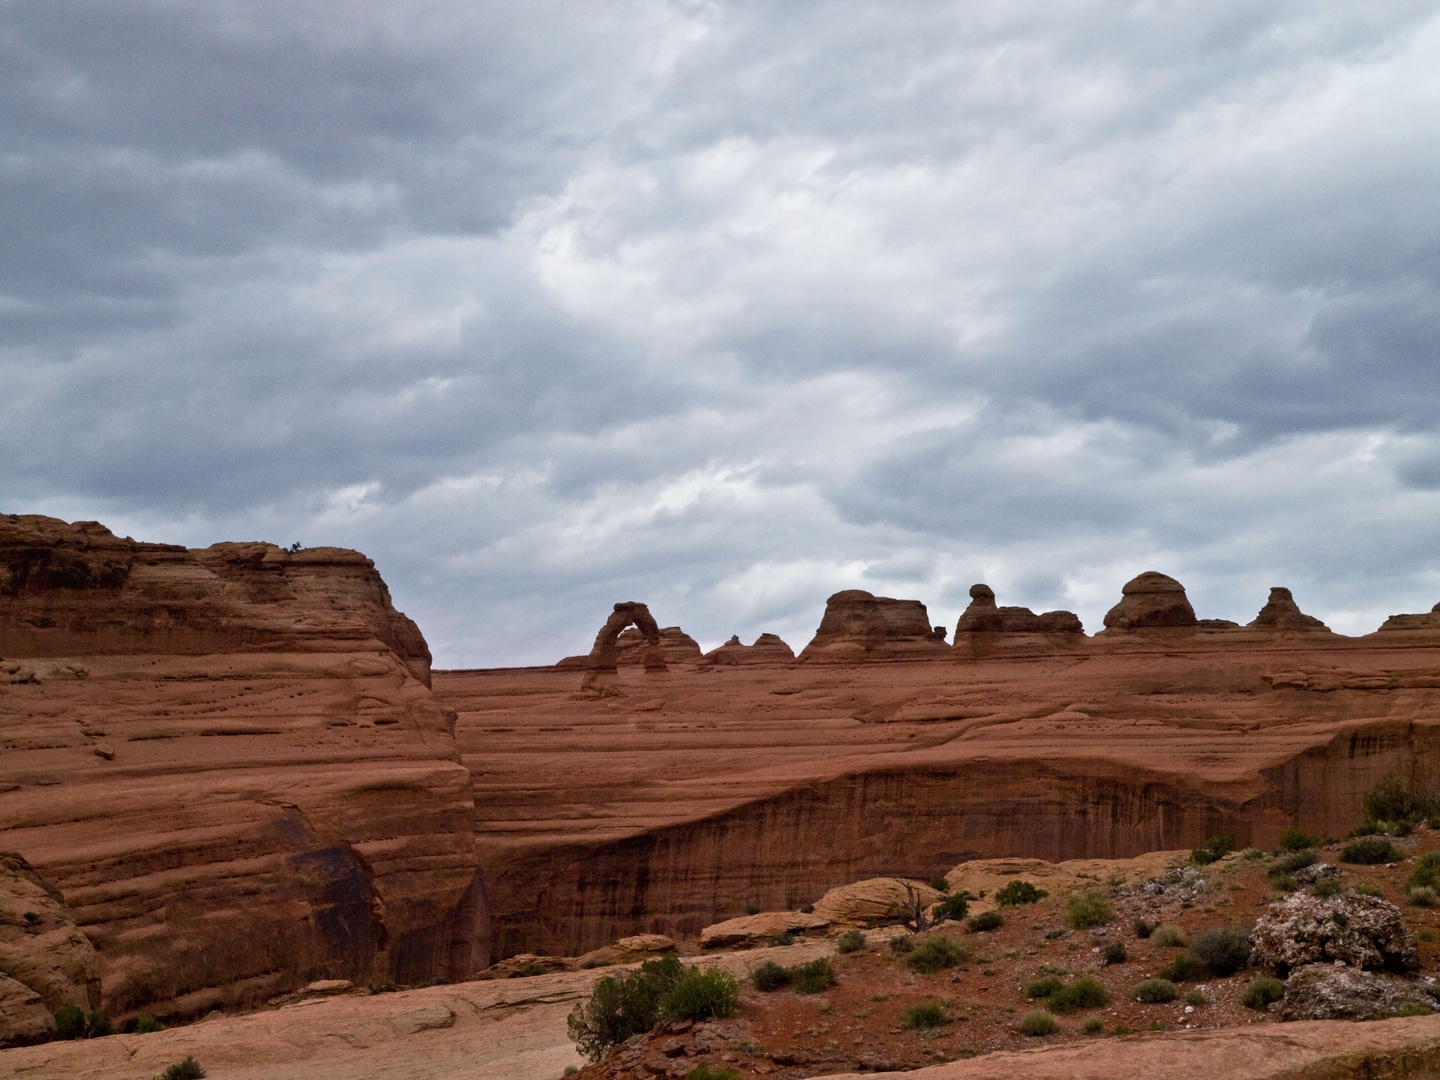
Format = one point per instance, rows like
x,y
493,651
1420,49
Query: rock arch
x,y
603,655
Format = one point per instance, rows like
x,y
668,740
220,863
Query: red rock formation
x,y
1428,621
983,617
676,646
605,655
1151,601
1282,613
858,625
230,764
768,649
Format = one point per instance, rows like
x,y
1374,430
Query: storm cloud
x,y
727,306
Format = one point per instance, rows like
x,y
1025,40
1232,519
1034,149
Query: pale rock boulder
x,y
874,899
755,929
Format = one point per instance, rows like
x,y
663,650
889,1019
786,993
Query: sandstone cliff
x,y
230,764
858,625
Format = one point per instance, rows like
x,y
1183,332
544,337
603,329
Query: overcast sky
x,y
727,306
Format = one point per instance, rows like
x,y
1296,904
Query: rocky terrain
x,y
229,763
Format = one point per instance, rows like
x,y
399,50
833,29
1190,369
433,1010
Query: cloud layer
x,y
727,306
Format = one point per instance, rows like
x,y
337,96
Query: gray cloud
x,y
726,306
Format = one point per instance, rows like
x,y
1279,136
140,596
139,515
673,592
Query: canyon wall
x,y
230,763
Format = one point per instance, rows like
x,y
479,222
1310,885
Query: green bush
x,y
69,1022
1038,1022
1019,892
708,994
939,884
145,1024
1168,936
1155,991
1196,998
1083,993
705,1072
770,976
1087,910
986,920
923,1017
1325,886
1094,1025
98,1025
813,977
1393,800
935,953
1143,929
850,941
1288,864
1115,953
1262,993
1422,895
902,944
1042,988
952,907
1215,849
188,1069
1224,951
1182,968
622,1005
1370,850
1297,839
1426,873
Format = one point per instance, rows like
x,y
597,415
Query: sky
x,y
725,307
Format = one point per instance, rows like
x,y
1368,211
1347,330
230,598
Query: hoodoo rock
x,y
1149,601
859,625
229,762
768,649
983,617
1282,613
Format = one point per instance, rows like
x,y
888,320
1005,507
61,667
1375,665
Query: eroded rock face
x,y
676,646
1355,929
1282,613
768,649
230,764
983,616
1339,992
1151,601
1430,620
40,945
857,625
605,654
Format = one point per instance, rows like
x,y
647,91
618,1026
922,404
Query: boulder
x,y
523,966
40,946
759,929
1338,992
859,625
768,649
627,950
1282,613
1149,601
24,1019
983,616
1359,930
873,900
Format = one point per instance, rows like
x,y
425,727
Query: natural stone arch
x,y
603,656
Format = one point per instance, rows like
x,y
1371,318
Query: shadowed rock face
x,y
676,646
230,764
982,616
605,654
859,625
1150,601
1282,613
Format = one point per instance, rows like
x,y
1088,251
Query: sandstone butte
x,y
233,764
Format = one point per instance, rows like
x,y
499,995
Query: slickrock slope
x,y
230,764
687,795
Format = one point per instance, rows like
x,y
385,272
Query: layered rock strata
x,y
1151,601
767,649
230,764
859,625
1282,613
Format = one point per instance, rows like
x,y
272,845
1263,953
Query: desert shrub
x,y
850,941
1155,991
145,1024
1168,936
1325,886
1038,1022
187,1069
1422,895
1426,872
1182,968
923,1016
751,908
936,953
705,1072
1215,849
1115,953
1370,850
1413,1008
623,1005
813,977
1142,928
1262,993
1094,1025
1288,864
1087,910
1285,883
708,994
939,884
902,944
1297,839
1224,951
1042,988
1084,993
1196,998
1393,800
986,920
69,1022
1367,890
952,907
770,976
1019,892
